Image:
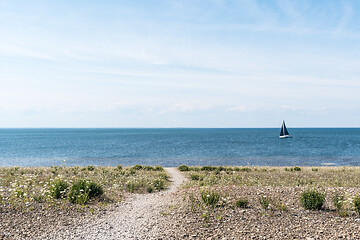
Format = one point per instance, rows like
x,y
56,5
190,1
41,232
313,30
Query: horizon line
x,y
173,127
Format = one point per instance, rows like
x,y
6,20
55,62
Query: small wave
x,y
328,164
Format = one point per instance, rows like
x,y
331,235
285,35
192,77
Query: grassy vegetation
x,y
312,200
242,203
26,188
273,176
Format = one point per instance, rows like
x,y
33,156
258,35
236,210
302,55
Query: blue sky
x,y
179,63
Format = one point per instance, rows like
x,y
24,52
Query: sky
x,y
179,63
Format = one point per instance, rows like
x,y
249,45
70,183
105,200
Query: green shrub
x,y
338,200
137,167
195,169
264,202
83,190
357,204
158,168
149,189
297,169
94,189
242,203
183,168
209,168
119,167
20,193
196,177
147,168
132,186
164,176
131,171
39,198
91,168
220,168
314,169
312,200
245,169
340,204
159,184
58,188
210,198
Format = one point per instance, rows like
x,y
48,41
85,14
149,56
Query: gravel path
x,y
136,217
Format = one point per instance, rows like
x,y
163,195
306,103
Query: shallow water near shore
x,y
173,147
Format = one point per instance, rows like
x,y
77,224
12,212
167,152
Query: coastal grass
x,y
273,176
60,187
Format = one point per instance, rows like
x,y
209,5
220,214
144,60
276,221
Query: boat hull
x,y
285,136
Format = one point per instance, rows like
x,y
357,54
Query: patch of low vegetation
x,y
58,188
264,202
312,200
138,167
338,200
209,168
242,203
83,190
341,204
207,203
357,204
215,169
296,169
197,176
210,198
183,168
91,168
159,184
149,189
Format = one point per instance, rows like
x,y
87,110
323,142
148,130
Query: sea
x,y
171,147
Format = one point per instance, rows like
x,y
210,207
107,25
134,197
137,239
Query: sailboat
x,y
284,132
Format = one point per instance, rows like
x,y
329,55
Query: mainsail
x,y
282,130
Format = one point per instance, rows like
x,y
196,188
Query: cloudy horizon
x,y
179,63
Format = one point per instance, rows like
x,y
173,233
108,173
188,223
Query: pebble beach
x,y
178,212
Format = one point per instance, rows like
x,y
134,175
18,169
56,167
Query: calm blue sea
x,y
173,147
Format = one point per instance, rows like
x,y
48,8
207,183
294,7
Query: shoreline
x,y
182,212
325,164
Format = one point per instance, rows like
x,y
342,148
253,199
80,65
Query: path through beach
x,y
136,217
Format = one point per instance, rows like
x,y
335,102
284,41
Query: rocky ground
x,y
179,214
290,221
